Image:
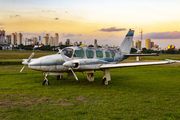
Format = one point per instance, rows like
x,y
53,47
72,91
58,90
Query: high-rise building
x,y
2,36
132,45
60,43
25,41
152,44
13,39
19,39
35,40
75,43
56,40
80,43
95,43
8,39
16,39
51,41
67,42
46,40
138,44
148,44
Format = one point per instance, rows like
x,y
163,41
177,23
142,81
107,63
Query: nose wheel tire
x,y
45,82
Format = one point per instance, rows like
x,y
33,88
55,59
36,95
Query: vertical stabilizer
x,y
125,46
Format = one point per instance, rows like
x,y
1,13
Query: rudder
x,y
125,46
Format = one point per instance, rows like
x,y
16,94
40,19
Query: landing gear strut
x,y
45,82
59,77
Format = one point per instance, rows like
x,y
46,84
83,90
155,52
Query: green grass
x,y
145,92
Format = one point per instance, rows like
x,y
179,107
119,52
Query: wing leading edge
x,y
106,66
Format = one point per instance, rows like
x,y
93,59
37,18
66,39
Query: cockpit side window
x,y
99,54
68,52
79,53
89,54
107,54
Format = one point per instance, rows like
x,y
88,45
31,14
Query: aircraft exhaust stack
x,y
125,46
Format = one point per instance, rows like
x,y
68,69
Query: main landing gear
x,y
107,77
45,82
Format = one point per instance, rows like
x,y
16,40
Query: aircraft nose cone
x,y
35,64
67,64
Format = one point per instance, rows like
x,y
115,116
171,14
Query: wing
x,y
152,54
135,64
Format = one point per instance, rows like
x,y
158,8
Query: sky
x,y
108,21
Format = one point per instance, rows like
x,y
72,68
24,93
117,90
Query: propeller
x,y
27,62
67,63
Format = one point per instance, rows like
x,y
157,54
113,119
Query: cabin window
x,y
68,52
99,54
112,53
107,54
79,53
89,54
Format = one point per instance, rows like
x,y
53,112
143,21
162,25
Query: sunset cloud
x,y
56,18
112,29
68,35
48,11
1,24
14,16
162,35
79,35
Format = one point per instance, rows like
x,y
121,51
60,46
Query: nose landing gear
x,y
45,82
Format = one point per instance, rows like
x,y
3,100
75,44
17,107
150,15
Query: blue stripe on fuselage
x,y
45,64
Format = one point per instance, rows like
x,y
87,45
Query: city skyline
x,y
106,21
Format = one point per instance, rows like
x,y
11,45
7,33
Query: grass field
x,y
145,92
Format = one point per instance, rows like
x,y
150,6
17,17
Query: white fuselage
x,y
80,59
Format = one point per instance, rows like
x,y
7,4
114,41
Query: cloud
x,y
48,11
161,35
1,24
14,16
68,35
112,29
79,35
56,18
111,36
66,11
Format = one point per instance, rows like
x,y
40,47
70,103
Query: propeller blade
x,y
73,73
67,63
22,68
30,57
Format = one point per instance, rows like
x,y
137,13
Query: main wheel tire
x,y
58,77
104,81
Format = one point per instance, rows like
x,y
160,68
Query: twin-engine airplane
x,y
89,59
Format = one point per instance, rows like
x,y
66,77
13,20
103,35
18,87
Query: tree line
x,y
169,51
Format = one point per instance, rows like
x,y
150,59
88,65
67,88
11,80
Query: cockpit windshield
x,y
68,52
